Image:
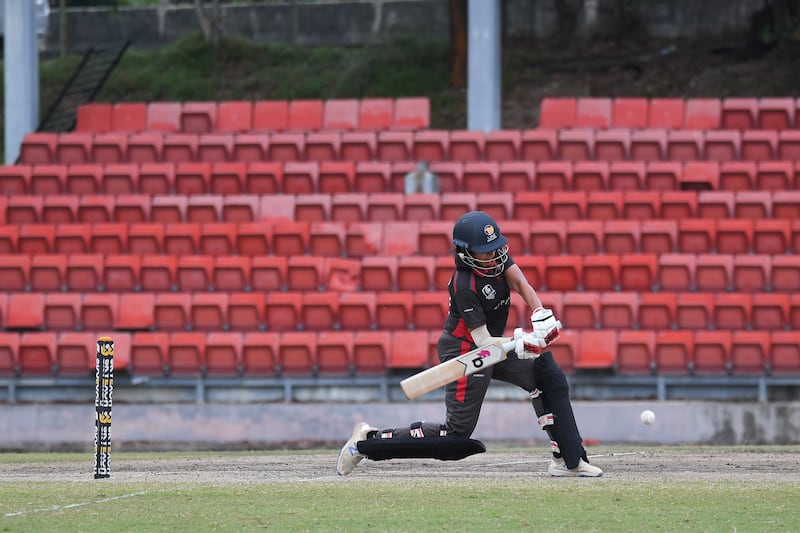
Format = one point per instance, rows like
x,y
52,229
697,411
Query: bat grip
x,y
510,345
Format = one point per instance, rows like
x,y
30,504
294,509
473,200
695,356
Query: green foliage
x,y
191,69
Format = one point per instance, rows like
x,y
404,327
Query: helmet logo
x,y
488,230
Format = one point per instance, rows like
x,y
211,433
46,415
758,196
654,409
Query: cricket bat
x,y
456,368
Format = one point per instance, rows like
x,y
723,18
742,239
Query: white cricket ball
x,y
648,417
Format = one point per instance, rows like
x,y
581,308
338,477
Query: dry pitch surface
x,y
624,464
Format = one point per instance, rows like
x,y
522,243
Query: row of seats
x,y
380,309
370,177
427,145
310,353
260,115
675,113
394,237
626,272
533,206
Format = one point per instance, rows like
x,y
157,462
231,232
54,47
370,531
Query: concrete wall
x,y
274,424
377,21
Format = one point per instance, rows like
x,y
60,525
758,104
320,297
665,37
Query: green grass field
x,y
650,489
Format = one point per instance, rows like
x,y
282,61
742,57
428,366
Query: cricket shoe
x,y
583,469
349,456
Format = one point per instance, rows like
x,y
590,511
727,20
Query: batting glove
x,y
529,346
545,326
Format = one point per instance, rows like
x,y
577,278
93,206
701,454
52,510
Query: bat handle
x,y
510,345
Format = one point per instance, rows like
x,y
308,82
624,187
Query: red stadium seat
x,y
62,311
732,311
430,145
580,310
737,175
685,145
180,148
37,352
502,145
98,311
722,145
563,273
584,237
621,237
776,113
739,113
157,178
605,205
694,310
164,116
214,147
752,273
576,144
94,117
149,353
186,354
298,353
712,351
234,116
135,311
26,209
159,273
194,272
260,353
429,310
38,148
565,350
371,352
638,272
358,145
515,176
788,145
109,148
753,205
364,238
198,117
734,236
593,113
28,311
657,310
648,145
696,236
223,353
568,205
319,311
601,273
15,179
480,176
468,145
408,350
322,146
393,310
84,272
231,273
553,176
629,113
375,113
246,311
619,310
305,115
357,310
674,351
249,147
770,311
209,311
785,273
76,353
785,352
372,177
306,273
557,113
270,115
172,311
597,350
702,113
54,179
750,352
759,145
44,273
335,352
636,352
612,145
74,148
539,144
411,113
283,311
146,147
666,113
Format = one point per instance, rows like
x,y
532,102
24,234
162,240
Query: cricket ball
x,y
648,417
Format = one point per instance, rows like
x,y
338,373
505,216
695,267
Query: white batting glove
x,y
528,346
545,326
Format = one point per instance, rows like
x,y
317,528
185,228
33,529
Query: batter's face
x,y
485,256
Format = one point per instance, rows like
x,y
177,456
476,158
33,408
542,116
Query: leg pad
x,y
442,448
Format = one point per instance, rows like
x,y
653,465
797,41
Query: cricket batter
x,y
480,299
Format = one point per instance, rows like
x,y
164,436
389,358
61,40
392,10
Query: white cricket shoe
x,y
583,469
349,456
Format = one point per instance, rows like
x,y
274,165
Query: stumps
x,y
104,387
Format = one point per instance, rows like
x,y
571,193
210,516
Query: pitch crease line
x,y
73,505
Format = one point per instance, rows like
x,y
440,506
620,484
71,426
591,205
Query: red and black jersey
x,y
476,300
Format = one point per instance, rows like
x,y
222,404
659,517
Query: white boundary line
x,y
73,505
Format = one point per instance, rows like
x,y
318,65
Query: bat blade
x,y
454,369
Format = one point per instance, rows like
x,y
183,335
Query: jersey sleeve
x,y
469,307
